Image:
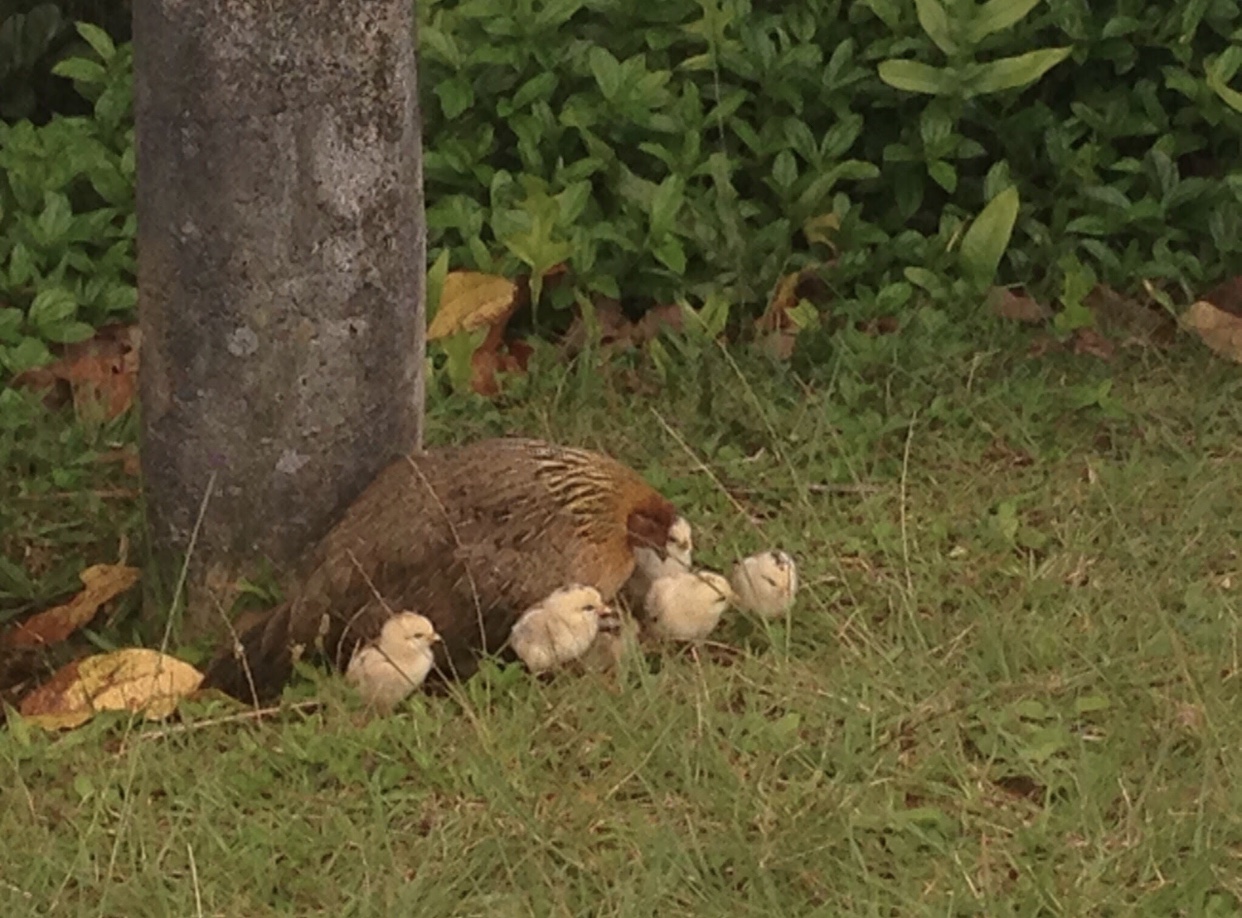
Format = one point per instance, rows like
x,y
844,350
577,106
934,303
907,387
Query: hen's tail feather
x,y
256,666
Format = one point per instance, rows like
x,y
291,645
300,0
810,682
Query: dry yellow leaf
x,y
134,679
1219,330
101,582
471,300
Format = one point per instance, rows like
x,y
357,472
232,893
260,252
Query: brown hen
x,y
469,536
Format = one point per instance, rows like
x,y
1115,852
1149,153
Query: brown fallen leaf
x,y
776,330
655,320
791,290
99,373
1128,321
882,325
489,361
1218,329
1016,306
779,344
471,300
1090,341
612,326
1227,296
126,456
134,679
101,583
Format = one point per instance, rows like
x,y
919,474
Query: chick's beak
x,y
609,620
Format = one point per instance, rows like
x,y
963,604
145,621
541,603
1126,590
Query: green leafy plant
x,y
66,213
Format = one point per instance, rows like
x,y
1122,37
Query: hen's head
x,y
654,524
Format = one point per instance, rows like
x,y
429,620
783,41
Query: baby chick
x,y
652,564
561,628
686,606
617,638
765,583
396,663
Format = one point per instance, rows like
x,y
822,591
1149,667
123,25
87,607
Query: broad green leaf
x,y
671,254
935,22
665,205
996,16
607,71
81,69
539,87
68,332
435,283
888,12
936,127
943,174
456,95
52,306
1218,82
784,170
912,76
56,219
10,325
30,353
572,201
98,39
985,241
1013,72
22,266
812,199
923,278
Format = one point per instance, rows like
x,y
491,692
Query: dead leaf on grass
x,y
470,300
126,456
1219,330
777,329
614,330
134,679
656,320
1129,321
486,363
1016,306
1089,341
101,582
99,373
1227,296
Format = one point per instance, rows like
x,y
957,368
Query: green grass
x,y
1011,685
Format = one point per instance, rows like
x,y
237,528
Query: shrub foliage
x,y
710,146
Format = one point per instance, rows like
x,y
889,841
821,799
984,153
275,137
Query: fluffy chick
x,y
561,628
652,564
396,663
766,583
686,606
617,639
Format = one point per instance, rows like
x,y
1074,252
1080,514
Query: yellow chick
x,y
686,606
766,583
651,564
617,638
562,628
396,663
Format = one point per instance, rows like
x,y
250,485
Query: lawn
x,y
1010,684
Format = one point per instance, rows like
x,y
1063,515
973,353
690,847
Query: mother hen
x,y
469,536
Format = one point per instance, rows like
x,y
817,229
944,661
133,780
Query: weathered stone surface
x,y
281,258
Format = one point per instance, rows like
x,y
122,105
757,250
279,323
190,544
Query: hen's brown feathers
x,y
469,536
